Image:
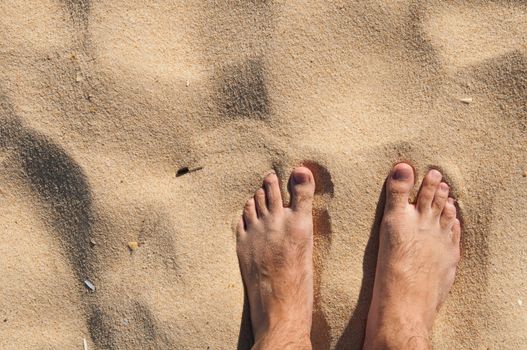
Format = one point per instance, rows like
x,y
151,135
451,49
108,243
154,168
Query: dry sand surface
x,y
102,101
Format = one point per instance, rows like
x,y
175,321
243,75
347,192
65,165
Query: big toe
x,y
399,185
302,187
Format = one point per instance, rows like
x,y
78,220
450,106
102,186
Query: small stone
x,y
520,302
90,285
133,246
525,173
92,242
78,78
125,321
187,84
466,100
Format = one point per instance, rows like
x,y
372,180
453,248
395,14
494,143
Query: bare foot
x,y
275,249
418,255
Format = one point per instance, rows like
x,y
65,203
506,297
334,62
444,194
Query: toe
x,y
272,193
261,206
440,198
240,229
428,190
399,185
249,212
448,216
302,187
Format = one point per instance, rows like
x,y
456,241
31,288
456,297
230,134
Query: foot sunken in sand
x,y
275,249
418,255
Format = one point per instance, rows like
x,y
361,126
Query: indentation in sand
x,y
468,33
79,9
242,91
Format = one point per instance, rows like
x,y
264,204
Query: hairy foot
x,y
275,249
416,265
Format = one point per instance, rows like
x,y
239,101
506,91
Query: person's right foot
x,y
275,251
418,254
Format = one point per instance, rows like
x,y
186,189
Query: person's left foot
x,y
275,249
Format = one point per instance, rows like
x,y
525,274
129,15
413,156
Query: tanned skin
x,y
418,255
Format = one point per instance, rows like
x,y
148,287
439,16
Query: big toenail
x,y
401,174
300,177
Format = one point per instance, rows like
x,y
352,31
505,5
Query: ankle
x,y
285,334
397,332
397,342
283,342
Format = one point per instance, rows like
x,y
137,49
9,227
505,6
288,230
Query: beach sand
x,y
102,102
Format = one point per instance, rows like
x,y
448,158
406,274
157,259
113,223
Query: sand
x,y
102,102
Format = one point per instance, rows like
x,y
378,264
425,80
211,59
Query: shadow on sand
x,y
353,335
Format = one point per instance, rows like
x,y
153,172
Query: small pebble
x,y
520,302
133,246
90,285
466,100
525,173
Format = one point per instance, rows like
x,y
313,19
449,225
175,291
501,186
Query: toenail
x,y
435,173
401,174
300,177
443,186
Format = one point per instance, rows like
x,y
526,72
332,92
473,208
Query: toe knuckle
x,y
432,185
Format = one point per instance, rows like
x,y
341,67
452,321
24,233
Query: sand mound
x,y
101,102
